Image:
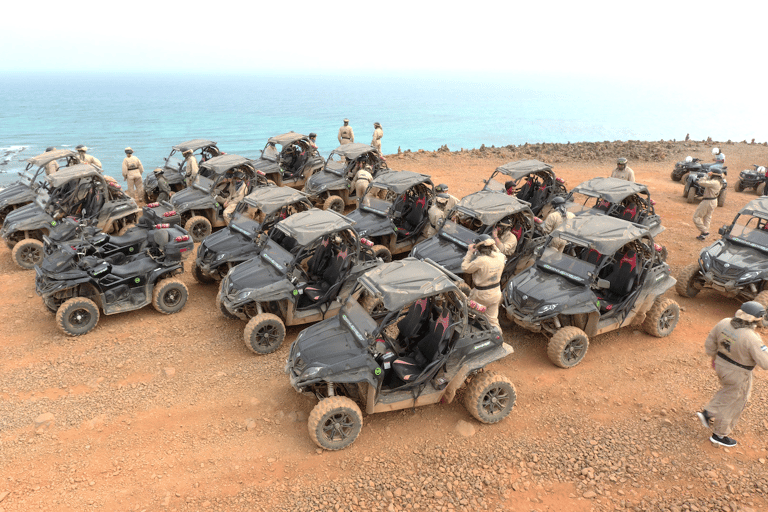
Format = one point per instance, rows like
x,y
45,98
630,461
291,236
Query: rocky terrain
x,y
153,413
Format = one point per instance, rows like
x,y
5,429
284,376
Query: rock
x,y
250,424
44,421
4,495
465,428
589,494
169,372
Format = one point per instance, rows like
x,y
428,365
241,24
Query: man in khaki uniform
x,y
486,265
703,214
52,166
346,135
362,179
623,171
735,349
452,200
505,240
85,158
162,185
237,191
378,133
436,214
132,171
555,219
191,163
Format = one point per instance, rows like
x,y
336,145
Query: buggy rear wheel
x,y
198,228
662,318
335,422
739,186
77,316
568,347
686,281
264,333
169,296
28,253
691,197
334,203
490,397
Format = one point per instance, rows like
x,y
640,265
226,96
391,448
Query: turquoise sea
x,y
151,113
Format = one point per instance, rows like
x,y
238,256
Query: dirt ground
x,y
155,413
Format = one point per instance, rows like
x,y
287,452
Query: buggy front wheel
x,y
334,203
335,422
687,279
77,316
169,296
568,347
490,397
662,318
264,333
198,228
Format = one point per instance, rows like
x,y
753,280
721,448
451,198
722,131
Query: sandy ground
x,y
155,412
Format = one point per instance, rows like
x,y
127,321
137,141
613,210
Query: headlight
x,y
310,372
705,260
749,276
547,308
219,257
243,295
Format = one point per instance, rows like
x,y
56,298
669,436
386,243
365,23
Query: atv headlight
x,y
546,309
705,261
243,295
219,257
749,276
311,372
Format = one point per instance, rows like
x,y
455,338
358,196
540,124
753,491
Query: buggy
x,y
332,188
418,346
609,275
174,166
293,163
528,180
693,190
689,165
752,178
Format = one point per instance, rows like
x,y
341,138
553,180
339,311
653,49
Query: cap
x,y
49,148
81,148
346,120
484,240
186,151
377,124
128,150
158,170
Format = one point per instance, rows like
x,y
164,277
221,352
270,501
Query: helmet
x,y
186,151
128,150
751,311
484,240
442,199
558,201
158,170
81,148
621,161
761,169
312,135
688,159
375,125
441,188
49,148
715,151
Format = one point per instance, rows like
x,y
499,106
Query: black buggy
x,y
693,190
254,216
175,166
292,164
689,165
609,275
306,262
737,264
477,214
332,188
752,178
528,180
419,347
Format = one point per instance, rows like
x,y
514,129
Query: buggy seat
x,y
413,217
622,279
332,279
432,345
412,323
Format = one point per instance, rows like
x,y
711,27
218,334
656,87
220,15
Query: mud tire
x,y
169,296
77,316
490,397
379,251
28,253
335,422
200,277
691,197
198,228
334,203
739,186
568,347
759,190
662,318
685,280
264,333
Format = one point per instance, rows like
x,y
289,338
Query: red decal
x,y
632,261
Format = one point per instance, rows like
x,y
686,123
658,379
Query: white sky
x,y
640,38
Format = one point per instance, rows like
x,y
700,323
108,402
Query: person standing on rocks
x,y
485,263
378,133
703,214
132,171
623,171
735,349
346,134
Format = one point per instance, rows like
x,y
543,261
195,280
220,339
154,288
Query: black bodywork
x,y
533,181
688,165
174,166
752,178
693,190
292,163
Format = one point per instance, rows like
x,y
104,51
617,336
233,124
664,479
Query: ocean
x,y
151,113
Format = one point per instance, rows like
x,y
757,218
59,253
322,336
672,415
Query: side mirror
x,y
723,230
603,284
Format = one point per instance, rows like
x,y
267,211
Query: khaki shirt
x,y
485,270
85,158
507,243
627,174
742,345
378,133
452,201
436,214
236,194
132,163
555,220
51,167
346,135
192,169
711,187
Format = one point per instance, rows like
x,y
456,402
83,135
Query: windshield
x,y
173,163
270,153
750,231
567,266
376,205
277,257
336,164
356,319
457,233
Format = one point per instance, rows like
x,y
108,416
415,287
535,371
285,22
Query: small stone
x,y
250,424
169,372
465,428
44,420
589,494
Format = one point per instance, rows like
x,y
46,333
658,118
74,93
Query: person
x,y
703,214
362,179
735,349
555,219
132,171
719,157
52,166
378,133
346,134
313,140
443,189
623,171
436,214
505,239
85,158
191,163
162,185
486,264
237,191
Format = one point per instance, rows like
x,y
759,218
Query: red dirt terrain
x,y
152,413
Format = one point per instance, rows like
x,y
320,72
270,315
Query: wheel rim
x,y
666,319
29,254
80,318
172,298
574,350
266,336
337,206
199,230
495,400
338,427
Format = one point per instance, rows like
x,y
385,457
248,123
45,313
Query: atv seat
x,y
526,191
326,289
517,231
136,268
412,323
433,344
592,256
602,205
630,212
131,237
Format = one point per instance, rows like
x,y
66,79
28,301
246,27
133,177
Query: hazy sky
x,y
651,38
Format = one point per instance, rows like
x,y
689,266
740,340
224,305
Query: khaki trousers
x,y
703,214
491,300
728,403
135,189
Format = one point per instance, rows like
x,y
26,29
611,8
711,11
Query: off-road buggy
x,y
752,178
292,163
395,223
532,181
737,264
254,216
24,191
80,191
77,287
609,275
690,164
198,205
477,214
307,262
175,169
420,345
332,188
693,190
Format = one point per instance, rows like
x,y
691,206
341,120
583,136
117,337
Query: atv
x,y
308,261
608,276
395,223
175,166
292,164
254,216
80,191
198,205
421,344
476,214
752,178
737,264
332,188
31,179
77,287
690,164
693,190
528,180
